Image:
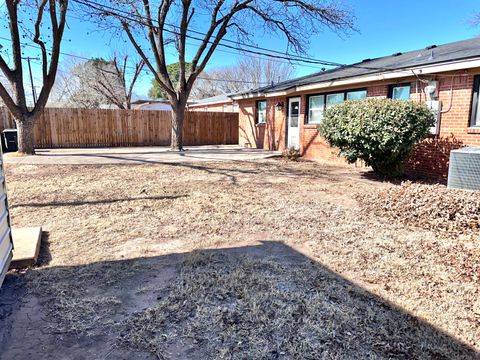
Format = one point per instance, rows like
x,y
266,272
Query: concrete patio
x,y
138,155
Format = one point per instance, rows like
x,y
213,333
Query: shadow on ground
x,y
96,202
265,300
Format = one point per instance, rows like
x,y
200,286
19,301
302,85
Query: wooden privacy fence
x,y
65,127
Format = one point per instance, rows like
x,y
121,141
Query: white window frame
x,y
325,95
475,112
393,87
311,110
356,91
259,112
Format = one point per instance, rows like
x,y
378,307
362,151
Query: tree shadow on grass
x,y
96,202
231,169
261,301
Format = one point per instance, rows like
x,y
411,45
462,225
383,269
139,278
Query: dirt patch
x,y
78,312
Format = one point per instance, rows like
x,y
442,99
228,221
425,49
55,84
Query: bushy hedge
x,y
381,132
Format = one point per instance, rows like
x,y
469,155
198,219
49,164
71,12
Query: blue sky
x,y
385,27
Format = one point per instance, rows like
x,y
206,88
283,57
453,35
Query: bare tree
x,y
475,19
108,82
75,85
15,100
248,73
163,22
94,82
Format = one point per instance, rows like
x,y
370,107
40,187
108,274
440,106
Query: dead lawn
x,y
170,261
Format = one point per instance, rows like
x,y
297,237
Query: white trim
x,y
388,75
289,114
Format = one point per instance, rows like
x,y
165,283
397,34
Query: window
x,y
400,92
317,104
356,95
261,114
334,99
235,107
475,120
225,108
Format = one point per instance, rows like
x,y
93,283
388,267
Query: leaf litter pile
x,y
432,207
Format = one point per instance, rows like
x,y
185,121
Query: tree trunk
x,y
25,136
178,115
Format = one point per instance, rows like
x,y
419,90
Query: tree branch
x,y
139,50
36,38
58,27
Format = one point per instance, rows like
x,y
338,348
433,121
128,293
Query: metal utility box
x,y
464,169
6,242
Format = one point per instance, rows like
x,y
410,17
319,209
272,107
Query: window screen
x,y
401,92
356,95
316,106
261,112
334,99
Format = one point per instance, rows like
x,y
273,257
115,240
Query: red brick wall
x,y
270,135
430,158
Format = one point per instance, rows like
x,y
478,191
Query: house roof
x,y
223,98
430,55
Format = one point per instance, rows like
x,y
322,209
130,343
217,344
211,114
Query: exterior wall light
x,y
279,105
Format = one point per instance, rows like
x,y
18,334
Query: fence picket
x,y
57,128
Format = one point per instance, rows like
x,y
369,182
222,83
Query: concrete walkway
x,y
138,155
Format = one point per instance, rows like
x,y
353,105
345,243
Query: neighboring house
x,y
220,103
162,105
288,113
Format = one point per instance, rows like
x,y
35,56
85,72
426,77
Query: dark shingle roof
x,y
430,55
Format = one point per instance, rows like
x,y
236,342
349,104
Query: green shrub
x,y
381,132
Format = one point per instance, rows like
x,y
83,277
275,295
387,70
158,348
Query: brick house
x,y
446,77
220,103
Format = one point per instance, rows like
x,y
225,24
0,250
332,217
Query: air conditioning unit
x,y
464,169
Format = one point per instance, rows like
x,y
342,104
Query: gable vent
x,y
464,169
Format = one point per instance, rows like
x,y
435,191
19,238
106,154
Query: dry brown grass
x,y
230,307
109,213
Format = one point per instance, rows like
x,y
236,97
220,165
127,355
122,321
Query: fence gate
x,y
6,243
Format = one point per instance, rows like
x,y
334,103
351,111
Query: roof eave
x,y
462,64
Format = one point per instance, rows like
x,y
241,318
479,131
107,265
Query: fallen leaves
x,y
432,207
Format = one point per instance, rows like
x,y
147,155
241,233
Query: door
x,y
6,244
293,120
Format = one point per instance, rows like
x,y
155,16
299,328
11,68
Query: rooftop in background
x,y
219,99
430,55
